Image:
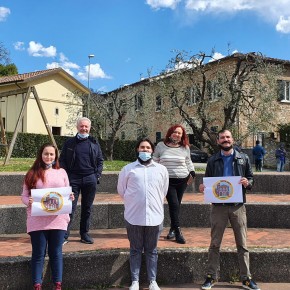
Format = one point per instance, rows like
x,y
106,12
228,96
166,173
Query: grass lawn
x,y
23,164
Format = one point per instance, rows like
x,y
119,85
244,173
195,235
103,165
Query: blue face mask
x,y
83,136
145,156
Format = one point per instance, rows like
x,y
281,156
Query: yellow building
x,y
58,92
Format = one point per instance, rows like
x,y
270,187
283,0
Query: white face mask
x,y
145,156
83,136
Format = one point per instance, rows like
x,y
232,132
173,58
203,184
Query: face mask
x,y
145,156
47,166
83,136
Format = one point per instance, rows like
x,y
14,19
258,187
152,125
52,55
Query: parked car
x,y
197,155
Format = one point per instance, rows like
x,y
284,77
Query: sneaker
x,y
57,286
134,285
208,283
250,284
154,286
65,241
37,286
85,238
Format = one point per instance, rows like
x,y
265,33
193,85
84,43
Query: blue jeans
x,y
86,185
143,237
52,241
280,165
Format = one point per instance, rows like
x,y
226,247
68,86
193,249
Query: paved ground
x,y
19,244
219,286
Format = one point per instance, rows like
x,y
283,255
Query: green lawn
x,y
23,164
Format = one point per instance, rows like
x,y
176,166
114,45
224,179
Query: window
x,y
56,130
192,96
213,90
56,111
123,107
138,102
284,91
158,103
158,136
3,120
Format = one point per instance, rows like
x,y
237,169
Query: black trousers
x,y
174,196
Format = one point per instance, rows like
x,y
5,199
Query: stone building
x,y
151,105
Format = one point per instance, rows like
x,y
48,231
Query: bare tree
x,y
112,112
237,91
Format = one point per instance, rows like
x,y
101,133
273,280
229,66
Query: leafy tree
x,y
239,95
6,68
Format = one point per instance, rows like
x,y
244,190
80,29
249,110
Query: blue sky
x,y
130,38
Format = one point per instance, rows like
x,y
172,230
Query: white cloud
x,y
157,4
38,50
283,25
19,45
4,12
276,12
217,55
96,72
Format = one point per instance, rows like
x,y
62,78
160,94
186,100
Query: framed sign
x,y
51,201
223,189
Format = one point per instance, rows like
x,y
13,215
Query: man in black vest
x,y
82,158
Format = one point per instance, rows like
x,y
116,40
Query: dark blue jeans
x,y
174,197
50,240
86,185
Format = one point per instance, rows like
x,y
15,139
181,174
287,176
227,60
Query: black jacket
x,y
67,156
241,167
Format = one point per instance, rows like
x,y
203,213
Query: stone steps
x,y
106,261
264,211
265,182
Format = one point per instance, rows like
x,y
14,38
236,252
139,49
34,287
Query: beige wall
x,y
52,91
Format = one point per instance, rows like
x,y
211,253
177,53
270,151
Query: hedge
x,y
27,145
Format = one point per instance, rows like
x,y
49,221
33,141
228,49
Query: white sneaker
x,y
134,285
154,286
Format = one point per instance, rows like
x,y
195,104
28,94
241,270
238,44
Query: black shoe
x,y
86,239
179,237
208,283
171,234
250,284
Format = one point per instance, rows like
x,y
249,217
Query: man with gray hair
x,y
82,158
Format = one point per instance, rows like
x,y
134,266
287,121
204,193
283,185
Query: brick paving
x,y
105,239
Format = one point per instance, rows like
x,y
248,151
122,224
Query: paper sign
x,y
51,201
223,189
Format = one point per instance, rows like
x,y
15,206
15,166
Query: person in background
x,y
46,232
143,186
82,158
174,154
280,155
229,162
258,153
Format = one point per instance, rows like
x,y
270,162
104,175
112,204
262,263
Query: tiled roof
x,y
25,76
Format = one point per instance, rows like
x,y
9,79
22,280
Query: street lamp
x,y
89,96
